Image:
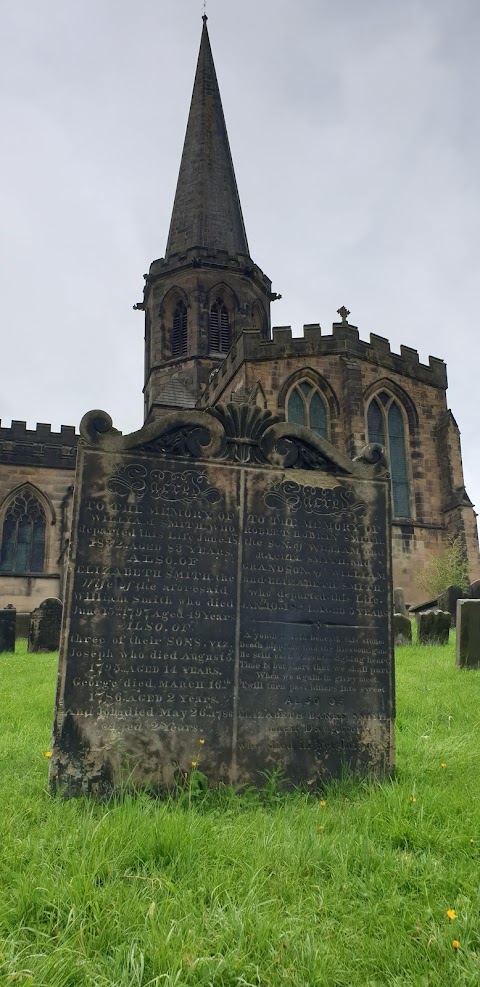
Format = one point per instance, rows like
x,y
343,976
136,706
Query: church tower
x,y
206,291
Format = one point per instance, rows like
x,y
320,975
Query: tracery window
x,y
23,535
305,406
386,425
179,330
219,337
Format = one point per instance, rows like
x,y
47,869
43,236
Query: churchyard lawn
x,y
364,885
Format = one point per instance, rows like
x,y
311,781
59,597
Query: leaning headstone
x,y
399,605
22,624
475,590
468,633
447,600
433,627
7,628
402,630
228,606
45,624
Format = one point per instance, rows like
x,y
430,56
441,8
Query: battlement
x,y
344,340
38,446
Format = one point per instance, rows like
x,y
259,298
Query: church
x,y
208,339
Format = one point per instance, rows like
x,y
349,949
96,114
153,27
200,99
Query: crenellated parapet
x,y
344,340
39,446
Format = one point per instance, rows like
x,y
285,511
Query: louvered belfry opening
x,y
179,330
219,340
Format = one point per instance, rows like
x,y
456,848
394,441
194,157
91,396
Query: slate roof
x,y
207,210
174,394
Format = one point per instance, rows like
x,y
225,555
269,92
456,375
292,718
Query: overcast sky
x,y
355,138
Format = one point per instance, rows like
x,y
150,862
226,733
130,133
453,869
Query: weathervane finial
x,y
204,16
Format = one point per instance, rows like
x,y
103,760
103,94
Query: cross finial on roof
x,y
343,313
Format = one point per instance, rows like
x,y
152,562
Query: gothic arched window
x,y
23,535
306,407
219,340
179,330
386,425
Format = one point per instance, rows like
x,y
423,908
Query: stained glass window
x,y
23,535
305,406
386,425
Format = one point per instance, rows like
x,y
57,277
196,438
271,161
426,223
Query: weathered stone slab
x,y
45,624
468,633
399,605
230,584
402,630
475,590
7,629
22,624
433,627
447,601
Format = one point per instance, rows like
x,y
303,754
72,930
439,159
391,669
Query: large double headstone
x,y
7,628
228,606
45,624
433,627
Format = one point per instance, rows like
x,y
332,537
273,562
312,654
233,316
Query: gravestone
x,y
468,633
22,624
402,630
228,606
447,601
433,627
475,590
7,628
399,605
45,624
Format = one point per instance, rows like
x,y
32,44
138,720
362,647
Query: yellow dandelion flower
x,y
321,829
472,841
48,753
194,764
412,798
451,913
322,803
443,765
201,741
456,944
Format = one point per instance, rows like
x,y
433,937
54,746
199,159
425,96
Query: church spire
x,y
207,210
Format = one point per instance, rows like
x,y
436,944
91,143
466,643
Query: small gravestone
x,y
228,606
399,605
475,590
447,600
7,628
23,624
468,633
434,627
402,630
45,624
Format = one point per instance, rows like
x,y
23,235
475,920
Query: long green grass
x,y
234,891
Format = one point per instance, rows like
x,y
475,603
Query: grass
x,y
230,891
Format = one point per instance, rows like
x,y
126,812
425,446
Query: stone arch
x,y
260,322
307,398
398,392
223,304
327,394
